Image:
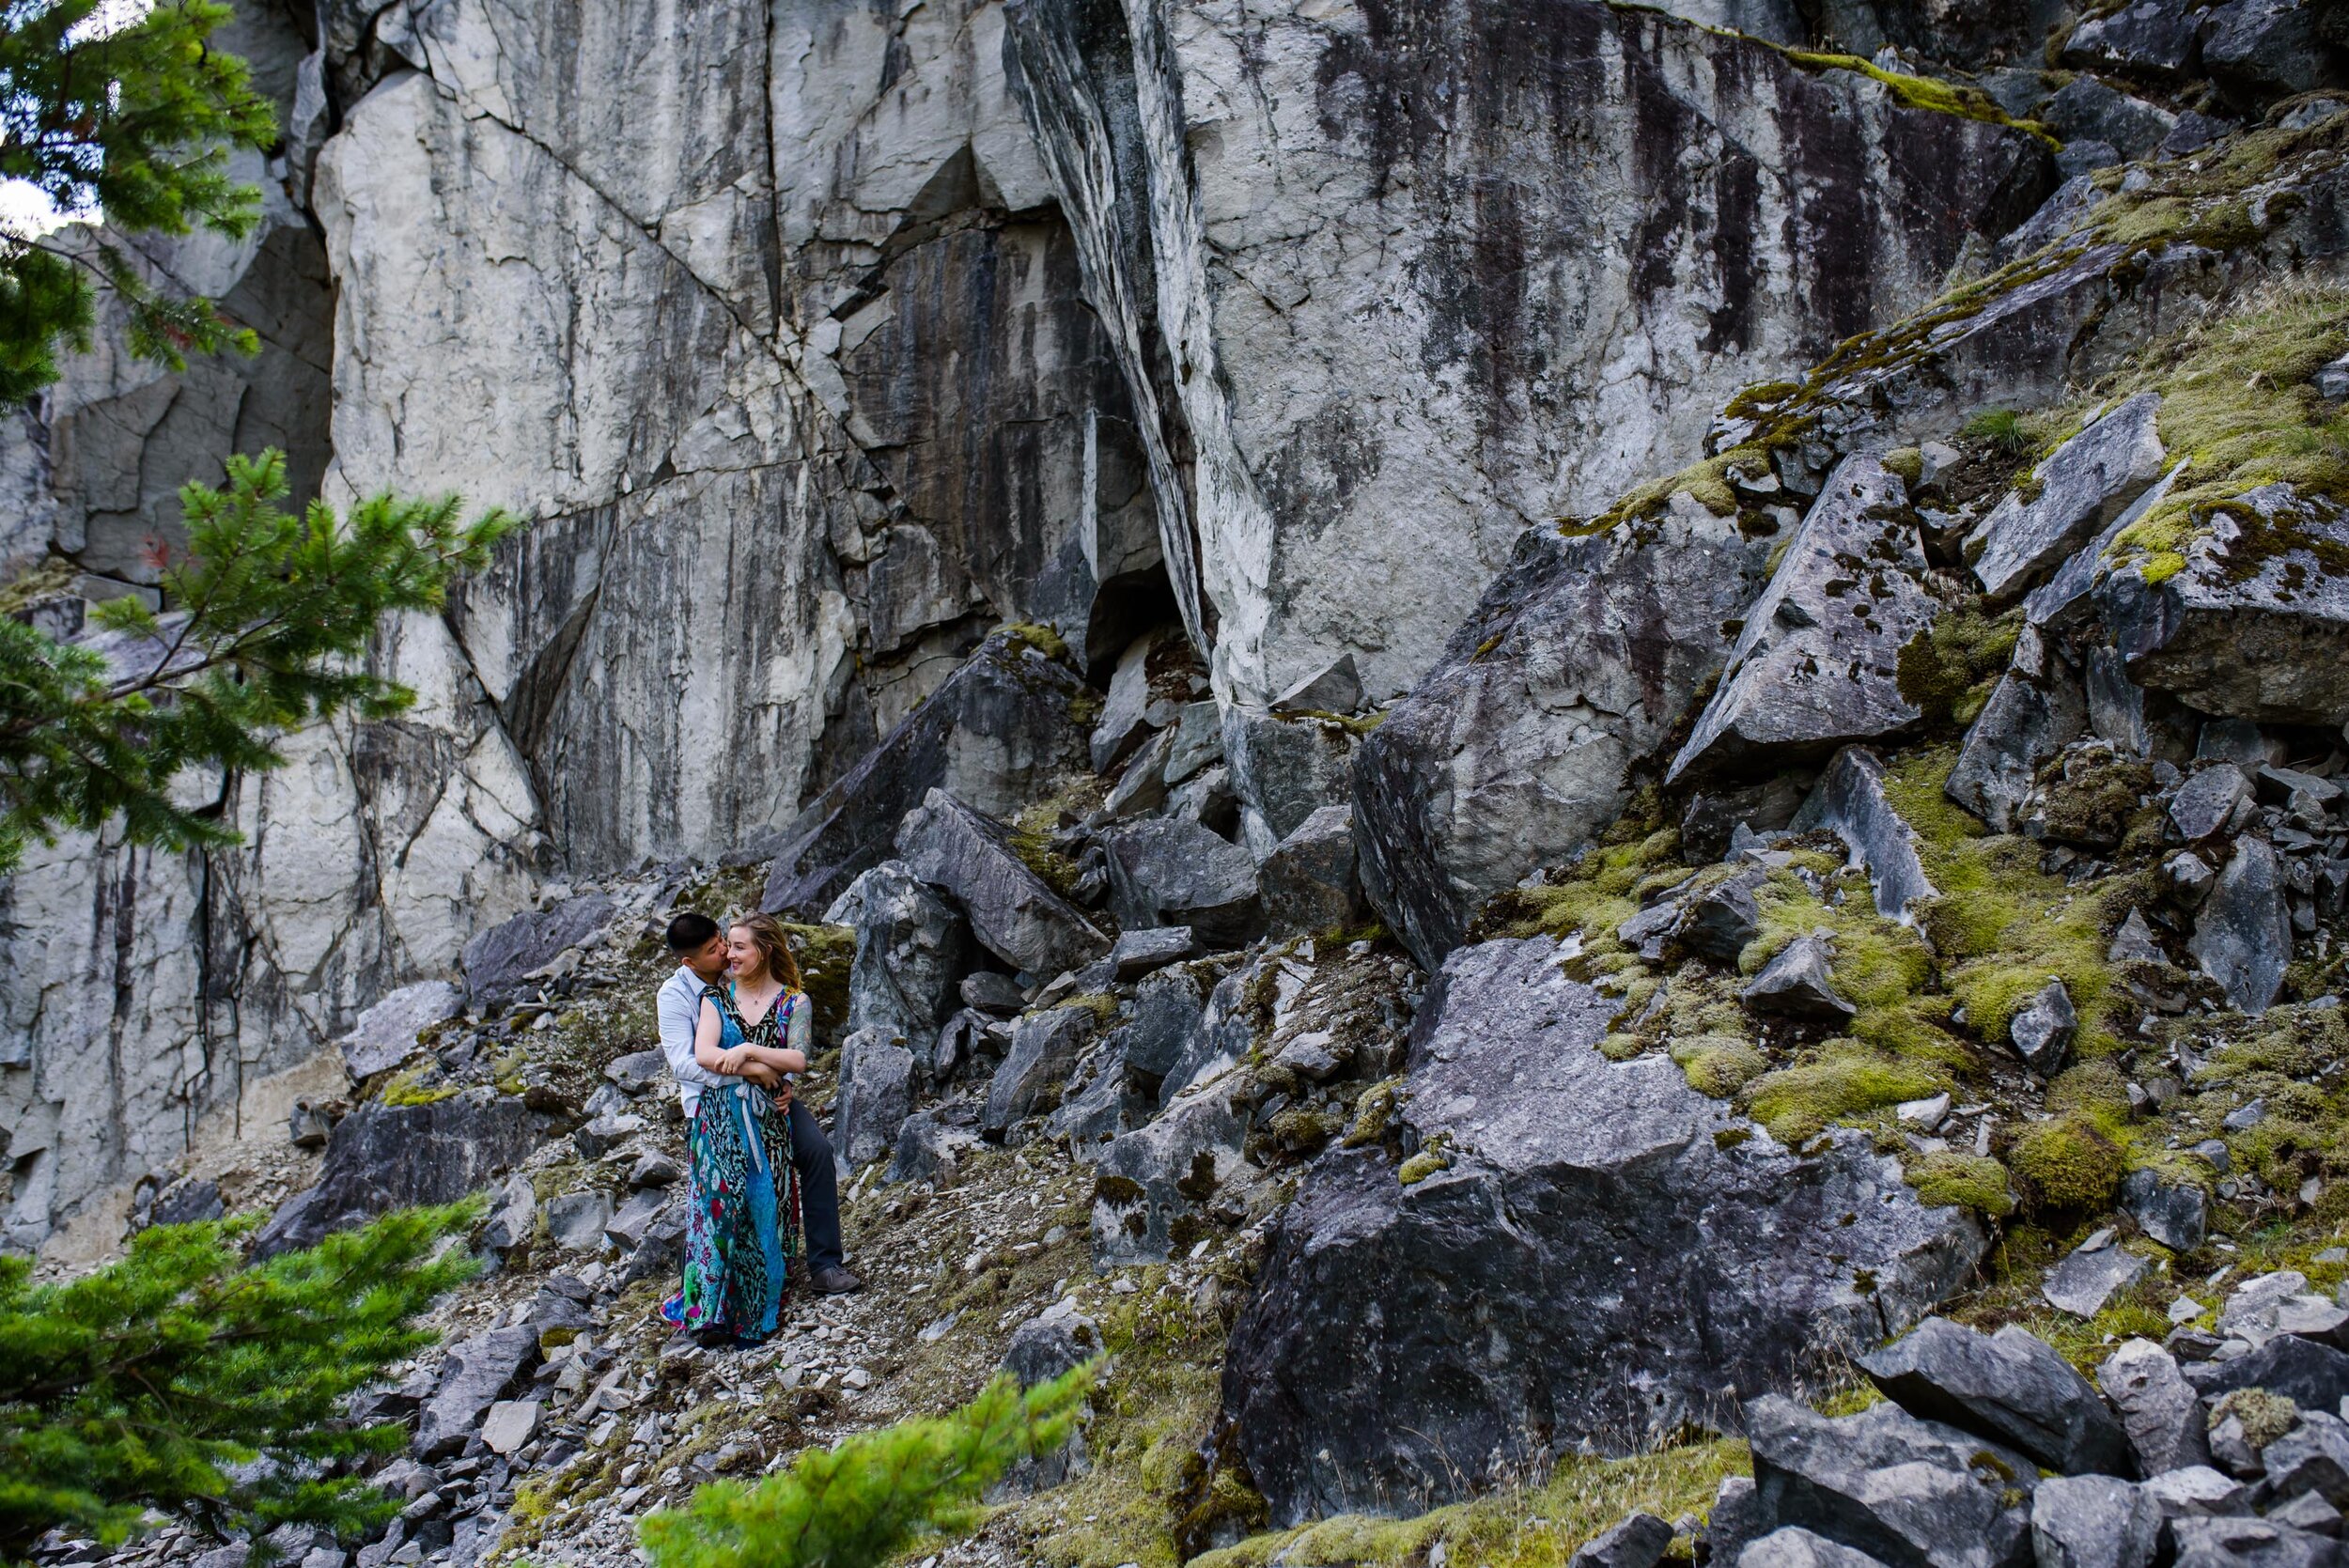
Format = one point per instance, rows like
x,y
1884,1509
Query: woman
x,y
742,1222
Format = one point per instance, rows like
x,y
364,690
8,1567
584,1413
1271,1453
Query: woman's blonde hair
x,y
767,934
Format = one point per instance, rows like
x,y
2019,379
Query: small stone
x,y
2185,1310
2177,1215
2082,1283
1638,1542
511,1424
308,1126
2246,1116
856,1378
1799,984
1925,1114
653,1169
2042,1032
2206,803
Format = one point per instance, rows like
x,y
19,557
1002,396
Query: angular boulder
x,y
1283,769
385,1034
2222,1543
1911,1493
499,962
1012,911
2158,1408
2038,708
1308,883
1849,801
876,1094
1799,984
2176,1214
2092,1521
2254,624
994,734
1044,1047
2011,1386
386,1156
2243,931
912,950
1815,664
1587,1206
1154,1185
2085,483
1794,1548
1518,743
475,1376
1175,873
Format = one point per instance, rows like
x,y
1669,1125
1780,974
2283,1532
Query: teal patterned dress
x,y
742,1219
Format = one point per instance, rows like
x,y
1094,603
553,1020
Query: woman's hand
x,y
731,1063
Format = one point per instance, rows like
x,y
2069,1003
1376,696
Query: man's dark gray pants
x,y
820,1188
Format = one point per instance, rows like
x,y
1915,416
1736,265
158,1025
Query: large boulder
x,y
1044,1047
2089,481
1605,1255
1520,743
1155,1184
381,1157
386,1032
474,1376
1309,882
876,1094
500,961
1170,872
1284,767
1013,913
912,950
1815,663
994,736
2254,623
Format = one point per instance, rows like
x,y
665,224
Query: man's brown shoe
x,y
832,1280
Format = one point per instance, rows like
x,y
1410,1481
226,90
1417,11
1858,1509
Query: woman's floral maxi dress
x,y
742,1218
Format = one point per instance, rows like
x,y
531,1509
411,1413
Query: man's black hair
x,y
690,930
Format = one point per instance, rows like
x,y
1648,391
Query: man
x,y
699,947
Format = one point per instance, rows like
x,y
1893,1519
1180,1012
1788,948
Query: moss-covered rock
x,y
2066,1163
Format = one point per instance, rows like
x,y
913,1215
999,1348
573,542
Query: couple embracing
x,y
734,1027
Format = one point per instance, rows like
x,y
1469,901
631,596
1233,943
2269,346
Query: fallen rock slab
x,y
994,734
476,1374
498,963
2243,931
385,1034
1013,914
1849,801
1172,872
2085,483
2011,1386
912,950
381,1157
1817,664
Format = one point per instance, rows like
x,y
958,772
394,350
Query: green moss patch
x,y
1948,1179
1539,1526
1843,1080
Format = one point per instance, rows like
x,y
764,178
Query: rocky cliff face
x,y
814,339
